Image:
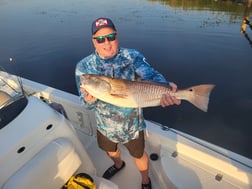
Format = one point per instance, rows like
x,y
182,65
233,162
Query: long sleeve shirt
x,y
116,123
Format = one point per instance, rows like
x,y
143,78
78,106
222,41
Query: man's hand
x,y
88,97
168,100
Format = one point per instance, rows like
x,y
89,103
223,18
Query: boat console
x,y
39,147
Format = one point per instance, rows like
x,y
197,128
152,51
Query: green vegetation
x,y
229,6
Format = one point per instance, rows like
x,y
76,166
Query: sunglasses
x,y
109,37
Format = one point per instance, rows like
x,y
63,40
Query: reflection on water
x,y
229,7
189,41
246,22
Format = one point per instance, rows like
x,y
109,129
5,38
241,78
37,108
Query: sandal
x,y
110,172
147,186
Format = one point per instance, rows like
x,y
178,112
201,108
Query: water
x,y
189,42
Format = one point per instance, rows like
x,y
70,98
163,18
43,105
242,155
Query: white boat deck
x,y
128,177
170,168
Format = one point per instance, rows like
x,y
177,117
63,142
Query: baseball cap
x,y
102,23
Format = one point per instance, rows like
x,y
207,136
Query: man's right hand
x,y
88,97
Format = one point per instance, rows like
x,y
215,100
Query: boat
x,y
47,136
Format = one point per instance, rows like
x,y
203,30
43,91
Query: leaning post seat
x,y
39,149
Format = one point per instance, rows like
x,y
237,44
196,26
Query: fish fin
x,y
152,83
119,95
200,96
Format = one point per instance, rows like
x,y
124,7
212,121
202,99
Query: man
x,y
115,124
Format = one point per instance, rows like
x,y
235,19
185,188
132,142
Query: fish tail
x,y
199,96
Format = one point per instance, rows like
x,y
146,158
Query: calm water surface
x,y
189,42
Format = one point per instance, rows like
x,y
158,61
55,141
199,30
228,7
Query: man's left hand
x,y
167,99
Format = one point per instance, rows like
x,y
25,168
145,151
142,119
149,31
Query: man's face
x,y
107,49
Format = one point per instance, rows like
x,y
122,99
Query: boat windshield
x,y
12,98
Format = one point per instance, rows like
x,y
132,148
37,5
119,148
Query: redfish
x,y
133,94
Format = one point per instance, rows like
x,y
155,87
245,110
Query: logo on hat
x,y
101,22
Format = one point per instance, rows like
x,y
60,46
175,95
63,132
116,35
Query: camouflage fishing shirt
x,y
118,124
